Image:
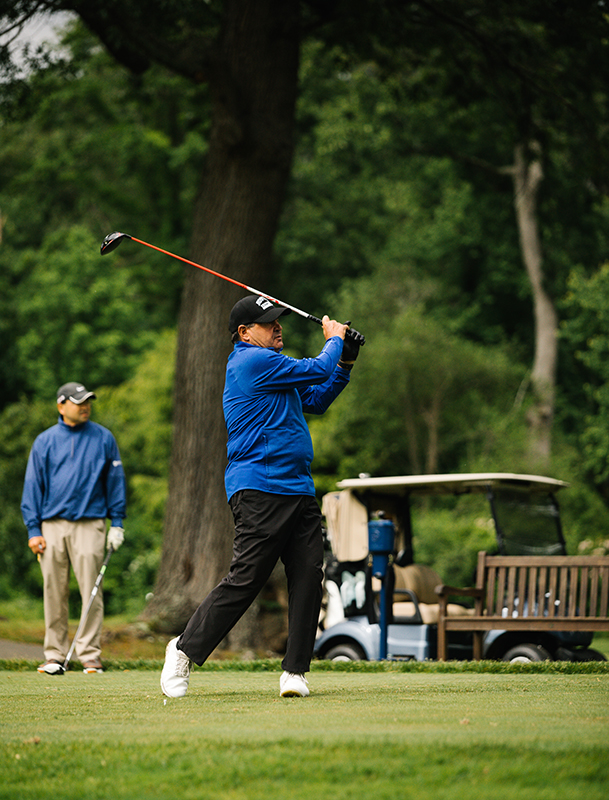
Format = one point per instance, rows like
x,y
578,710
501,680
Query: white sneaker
x,y
292,684
176,671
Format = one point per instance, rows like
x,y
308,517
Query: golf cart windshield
x,y
527,524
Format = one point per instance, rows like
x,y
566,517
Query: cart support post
x,y
381,536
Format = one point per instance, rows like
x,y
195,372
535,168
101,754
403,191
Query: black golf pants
x,y
268,527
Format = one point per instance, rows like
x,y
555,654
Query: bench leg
x,y
441,642
477,654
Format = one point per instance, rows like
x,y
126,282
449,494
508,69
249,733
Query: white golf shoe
x,y
292,684
176,671
90,667
51,667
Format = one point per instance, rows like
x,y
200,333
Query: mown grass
x,y
447,731
377,731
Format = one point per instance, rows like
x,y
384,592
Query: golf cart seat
x,y
348,580
421,581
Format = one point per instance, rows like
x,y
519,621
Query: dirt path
x,y
10,649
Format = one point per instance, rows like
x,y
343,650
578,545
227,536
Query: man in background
x,y
74,481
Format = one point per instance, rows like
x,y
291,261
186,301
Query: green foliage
x,y
81,121
75,318
371,184
139,413
87,149
335,217
586,330
20,423
419,400
449,539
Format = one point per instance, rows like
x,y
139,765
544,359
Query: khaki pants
x,y
80,544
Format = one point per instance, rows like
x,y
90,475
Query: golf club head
x,y
112,241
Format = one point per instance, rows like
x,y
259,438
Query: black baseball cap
x,y
254,309
75,392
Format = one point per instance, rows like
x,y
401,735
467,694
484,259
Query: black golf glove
x,y
350,352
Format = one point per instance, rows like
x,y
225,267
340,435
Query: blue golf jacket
x,y
265,395
73,472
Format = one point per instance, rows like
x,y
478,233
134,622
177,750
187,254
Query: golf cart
x,y
371,615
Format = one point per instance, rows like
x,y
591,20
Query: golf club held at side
x,y
85,614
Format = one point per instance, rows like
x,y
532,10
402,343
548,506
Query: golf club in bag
x,y
113,240
85,614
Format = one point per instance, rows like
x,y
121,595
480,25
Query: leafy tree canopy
x,y
88,149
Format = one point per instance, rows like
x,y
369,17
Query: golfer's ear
x,y
243,332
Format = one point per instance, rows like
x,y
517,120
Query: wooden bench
x,y
530,593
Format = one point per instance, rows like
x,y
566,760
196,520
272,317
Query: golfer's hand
x,y
116,536
333,328
350,350
37,545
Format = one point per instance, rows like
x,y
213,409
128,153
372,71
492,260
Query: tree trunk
x,y
528,175
253,83
411,436
432,416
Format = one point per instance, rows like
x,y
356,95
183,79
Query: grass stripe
x,y
427,667
383,733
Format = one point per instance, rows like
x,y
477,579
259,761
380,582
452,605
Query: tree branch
x,y
136,44
464,158
134,39
495,53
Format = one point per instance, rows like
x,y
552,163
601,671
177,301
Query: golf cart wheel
x,y
525,653
345,652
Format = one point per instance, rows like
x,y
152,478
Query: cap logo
x,y
263,303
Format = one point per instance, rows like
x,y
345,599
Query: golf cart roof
x,y
464,483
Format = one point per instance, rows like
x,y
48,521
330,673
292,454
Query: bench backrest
x,y
568,587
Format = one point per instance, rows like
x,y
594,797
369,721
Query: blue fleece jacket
x,y
265,395
73,472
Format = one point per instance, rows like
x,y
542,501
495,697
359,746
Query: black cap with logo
x,y
254,309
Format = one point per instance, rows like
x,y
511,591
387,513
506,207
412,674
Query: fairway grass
x,y
359,735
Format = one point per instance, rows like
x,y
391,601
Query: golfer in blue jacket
x,y
74,481
269,488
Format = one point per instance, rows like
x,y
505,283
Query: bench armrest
x,y
470,591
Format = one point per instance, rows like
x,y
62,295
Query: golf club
x,y
112,241
84,616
